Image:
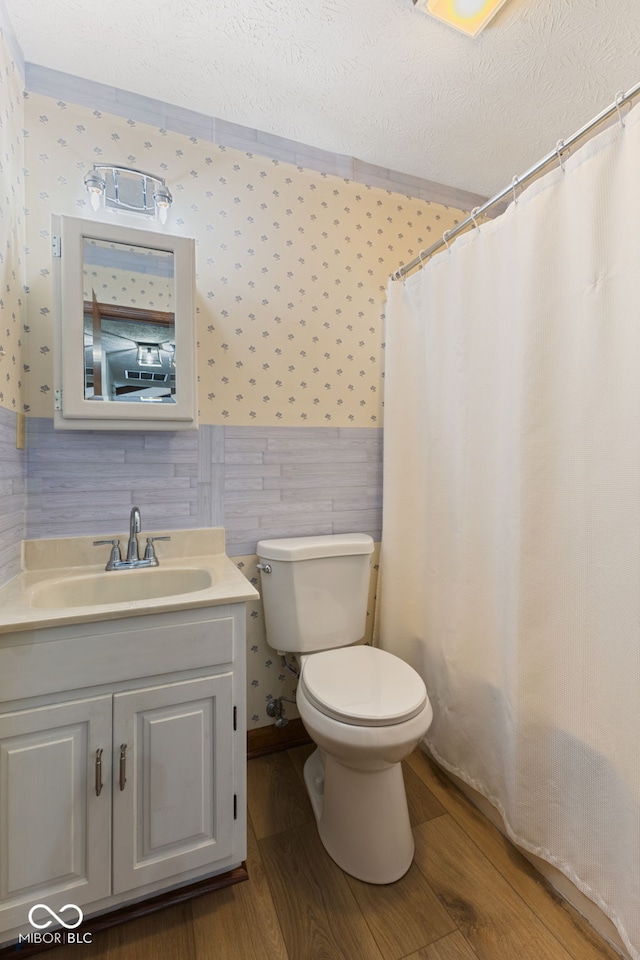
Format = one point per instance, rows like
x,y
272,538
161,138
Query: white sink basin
x,y
117,586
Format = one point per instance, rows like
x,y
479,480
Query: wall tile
x,y
67,87
283,433
12,499
85,482
188,122
319,480
224,130
334,164
264,482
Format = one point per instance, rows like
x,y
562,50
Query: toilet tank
x,y
315,597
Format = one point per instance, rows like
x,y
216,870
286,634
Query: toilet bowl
x,y
364,708
354,777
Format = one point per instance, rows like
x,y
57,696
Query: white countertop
x,y
72,557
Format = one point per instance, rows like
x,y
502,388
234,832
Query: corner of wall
x,y
12,283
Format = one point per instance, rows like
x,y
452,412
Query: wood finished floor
x,y
468,896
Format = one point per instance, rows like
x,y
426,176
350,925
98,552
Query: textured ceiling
x,y
372,79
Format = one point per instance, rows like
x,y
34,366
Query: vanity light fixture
x,y
124,188
96,186
162,199
469,16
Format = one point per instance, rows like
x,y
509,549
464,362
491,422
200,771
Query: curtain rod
x,y
556,154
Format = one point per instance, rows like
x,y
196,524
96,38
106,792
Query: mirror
x,y
129,323
125,348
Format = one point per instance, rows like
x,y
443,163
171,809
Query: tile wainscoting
x,y
257,482
12,497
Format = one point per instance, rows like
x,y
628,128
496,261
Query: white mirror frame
x,y
72,410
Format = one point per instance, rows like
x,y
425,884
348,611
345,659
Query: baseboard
x,y
270,739
133,911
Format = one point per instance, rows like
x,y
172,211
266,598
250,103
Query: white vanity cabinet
x,y
55,833
122,760
173,795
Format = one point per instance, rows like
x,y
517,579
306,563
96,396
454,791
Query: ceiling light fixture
x,y
123,188
469,16
149,355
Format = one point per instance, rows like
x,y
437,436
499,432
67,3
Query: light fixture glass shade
x,y
96,185
162,199
469,16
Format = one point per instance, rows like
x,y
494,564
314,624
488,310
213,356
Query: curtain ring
x,y
514,184
445,238
619,99
473,215
559,149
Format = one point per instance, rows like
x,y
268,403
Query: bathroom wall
x,y
12,237
12,461
292,263
257,482
291,269
12,497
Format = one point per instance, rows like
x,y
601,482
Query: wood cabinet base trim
x,y
133,911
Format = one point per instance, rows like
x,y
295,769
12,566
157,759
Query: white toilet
x,y
363,707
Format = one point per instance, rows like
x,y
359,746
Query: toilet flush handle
x,y
265,567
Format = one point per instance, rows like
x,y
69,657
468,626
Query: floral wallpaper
x,y
291,265
122,283
291,269
11,230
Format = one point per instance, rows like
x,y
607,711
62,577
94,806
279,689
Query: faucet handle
x,y
115,551
149,552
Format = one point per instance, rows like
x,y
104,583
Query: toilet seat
x,y
363,686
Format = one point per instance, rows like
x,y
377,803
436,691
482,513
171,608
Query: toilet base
x,y
362,817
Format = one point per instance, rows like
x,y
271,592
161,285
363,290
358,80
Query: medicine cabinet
x,y
125,350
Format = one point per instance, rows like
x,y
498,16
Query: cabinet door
x,y
55,834
173,779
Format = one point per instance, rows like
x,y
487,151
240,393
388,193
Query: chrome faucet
x,y
133,560
134,530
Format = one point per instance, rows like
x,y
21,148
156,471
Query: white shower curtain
x,y
510,574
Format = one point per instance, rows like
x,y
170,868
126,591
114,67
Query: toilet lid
x,y
364,686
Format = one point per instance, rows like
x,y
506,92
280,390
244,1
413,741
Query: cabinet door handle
x,y
98,772
123,765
